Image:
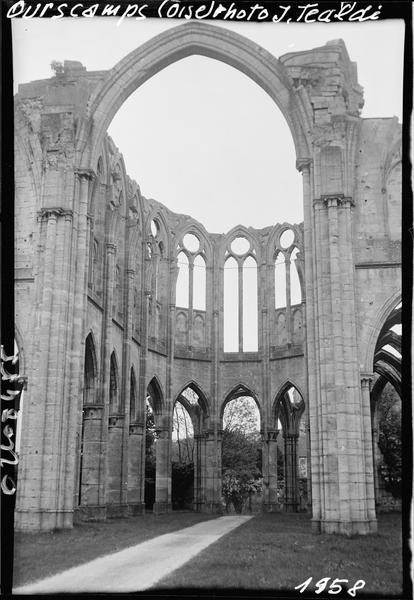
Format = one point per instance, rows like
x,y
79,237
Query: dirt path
x,y
138,567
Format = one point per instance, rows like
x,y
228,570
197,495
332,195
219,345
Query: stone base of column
x,y
161,508
347,527
272,507
95,513
291,507
136,508
213,508
198,507
39,520
119,511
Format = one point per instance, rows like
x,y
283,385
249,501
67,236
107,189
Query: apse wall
x,y
138,251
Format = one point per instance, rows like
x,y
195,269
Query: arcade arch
x,y
386,401
289,415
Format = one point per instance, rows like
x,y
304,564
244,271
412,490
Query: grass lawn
x,y
38,555
278,552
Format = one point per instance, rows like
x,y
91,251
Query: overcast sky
x,y
200,136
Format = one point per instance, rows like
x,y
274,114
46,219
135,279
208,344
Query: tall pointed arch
x,y
133,390
114,388
90,371
156,396
237,391
173,45
288,407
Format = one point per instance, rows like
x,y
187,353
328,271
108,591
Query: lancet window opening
x,y
132,397
191,291
191,280
156,278
113,385
240,302
287,288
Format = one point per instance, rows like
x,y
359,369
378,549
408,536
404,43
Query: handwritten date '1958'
x,y
334,588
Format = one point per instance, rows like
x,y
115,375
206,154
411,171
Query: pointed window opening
x,y
199,283
250,324
280,281
295,289
113,386
182,289
132,397
231,305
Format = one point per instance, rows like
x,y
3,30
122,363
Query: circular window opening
x,y
287,238
240,245
154,228
191,242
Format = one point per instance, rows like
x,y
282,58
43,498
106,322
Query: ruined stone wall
x,y
97,261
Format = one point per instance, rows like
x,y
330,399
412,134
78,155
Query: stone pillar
x,y
291,472
45,496
115,506
376,465
106,460
162,502
270,500
212,482
77,307
366,382
198,502
90,505
136,478
340,485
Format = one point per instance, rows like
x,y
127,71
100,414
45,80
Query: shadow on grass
x,y
278,552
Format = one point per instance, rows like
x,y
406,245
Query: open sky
x,y
200,136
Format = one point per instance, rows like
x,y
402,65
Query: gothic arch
x,y
90,346
173,45
133,395
283,410
164,234
376,328
204,402
199,231
114,384
154,389
237,391
240,231
276,232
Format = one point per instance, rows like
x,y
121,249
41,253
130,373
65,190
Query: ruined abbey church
x,y
101,332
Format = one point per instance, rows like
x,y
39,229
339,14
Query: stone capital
x,y
162,431
271,435
333,201
93,411
53,212
366,380
302,164
88,174
136,428
110,248
116,420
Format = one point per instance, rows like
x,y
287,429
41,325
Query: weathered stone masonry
x,y
96,316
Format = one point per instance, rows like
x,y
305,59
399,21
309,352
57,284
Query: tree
x,y
389,443
183,445
150,434
150,460
241,458
242,414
